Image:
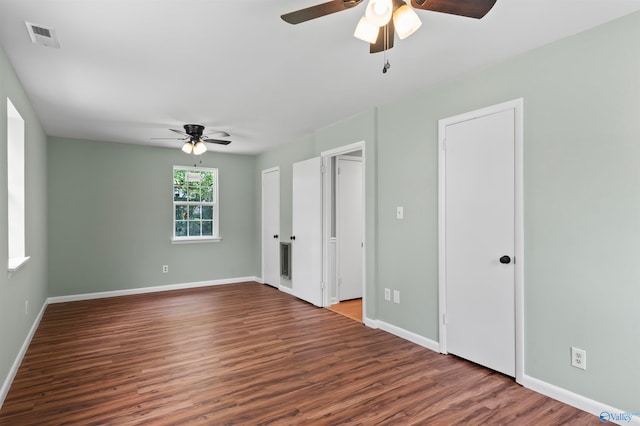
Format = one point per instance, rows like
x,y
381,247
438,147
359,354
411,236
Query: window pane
x,y
207,212
207,195
194,228
181,213
179,177
181,228
207,179
207,227
194,193
194,212
179,193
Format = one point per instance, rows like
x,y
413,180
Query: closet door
x,y
271,227
349,227
306,236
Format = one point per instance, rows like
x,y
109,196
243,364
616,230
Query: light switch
x,y
399,212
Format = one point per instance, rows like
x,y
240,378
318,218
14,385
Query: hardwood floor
x,y
349,308
249,354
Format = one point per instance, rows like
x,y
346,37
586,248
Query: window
x,y
195,204
15,188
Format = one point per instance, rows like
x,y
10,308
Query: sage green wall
x,y
110,218
582,203
30,281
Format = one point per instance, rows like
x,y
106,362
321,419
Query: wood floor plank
x,y
349,308
247,354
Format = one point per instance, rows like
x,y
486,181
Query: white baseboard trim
x,y
142,290
23,350
410,336
286,290
605,413
371,323
258,279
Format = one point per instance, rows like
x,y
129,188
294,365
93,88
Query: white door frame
x,y
264,172
517,106
326,216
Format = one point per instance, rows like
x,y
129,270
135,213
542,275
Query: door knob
x,y
275,236
505,260
293,237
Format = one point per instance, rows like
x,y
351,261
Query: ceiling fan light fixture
x,y
379,12
366,31
405,21
199,148
187,148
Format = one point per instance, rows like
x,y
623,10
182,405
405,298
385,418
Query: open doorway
x,y
344,230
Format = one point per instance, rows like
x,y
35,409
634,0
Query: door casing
x,y
326,161
517,106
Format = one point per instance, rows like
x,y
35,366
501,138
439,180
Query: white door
x,y
480,240
306,226
271,227
349,227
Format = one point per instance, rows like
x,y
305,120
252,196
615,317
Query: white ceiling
x,y
127,70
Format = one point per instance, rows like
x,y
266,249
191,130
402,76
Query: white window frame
x,y
16,206
215,204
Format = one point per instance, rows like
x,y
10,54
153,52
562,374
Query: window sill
x,y
195,240
16,263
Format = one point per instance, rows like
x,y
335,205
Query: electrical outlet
x,y
396,296
26,307
399,212
387,294
165,269
578,358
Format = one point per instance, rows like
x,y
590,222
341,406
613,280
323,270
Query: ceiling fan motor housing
x,y
194,130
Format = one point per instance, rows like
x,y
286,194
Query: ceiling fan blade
x,y
218,133
218,141
318,11
179,131
379,45
171,139
469,8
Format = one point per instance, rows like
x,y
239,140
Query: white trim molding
x,y
142,290
371,323
16,263
409,335
605,413
345,149
23,350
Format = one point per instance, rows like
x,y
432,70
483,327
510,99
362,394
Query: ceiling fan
x,y
383,17
194,138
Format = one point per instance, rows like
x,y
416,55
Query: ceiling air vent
x,y
42,34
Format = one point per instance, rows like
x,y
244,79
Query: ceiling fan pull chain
x,y
385,64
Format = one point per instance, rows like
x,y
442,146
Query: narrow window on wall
x,y
195,204
16,187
